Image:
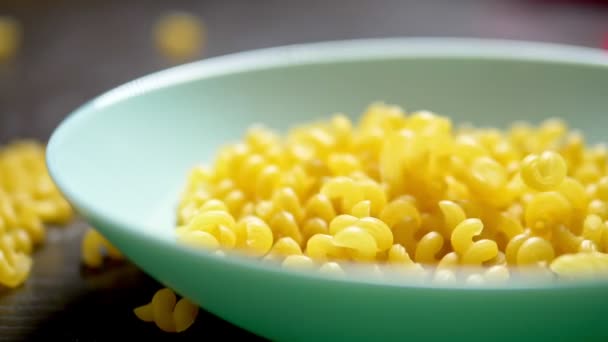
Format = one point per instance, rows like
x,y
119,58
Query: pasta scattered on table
x,y
29,201
169,314
406,189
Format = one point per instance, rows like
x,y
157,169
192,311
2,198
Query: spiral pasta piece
x,y
284,247
15,266
428,247
581,265
545,171
453,215
169,314
377,229
546,210
332,268
93,245
254,236
472,252
351,191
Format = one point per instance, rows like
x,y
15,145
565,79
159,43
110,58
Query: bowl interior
x,y
123,157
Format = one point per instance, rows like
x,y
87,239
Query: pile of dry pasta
x,y
409,190
164,310
29,202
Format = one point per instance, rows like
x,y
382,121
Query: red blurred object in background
x,y
605,41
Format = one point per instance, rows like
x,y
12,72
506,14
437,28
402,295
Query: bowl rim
x,y
298,55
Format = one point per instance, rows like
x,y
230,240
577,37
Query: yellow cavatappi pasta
x,y
10,38
169,314
179,36
28,201
404,188
93,247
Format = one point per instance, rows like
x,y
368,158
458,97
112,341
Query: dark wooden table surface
x,y
73,50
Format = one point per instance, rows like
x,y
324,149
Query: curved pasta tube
x,y
534,250
286,199
401,150
322,247
449,261
546,210
593,226
428,247
253,236
284,247
352,191
15,266
93,245
320,206
167,313
545,171
219,223
314,226
580,265
284,223
359,241
565,241
375,227
463,234
472,252
401,209
453,215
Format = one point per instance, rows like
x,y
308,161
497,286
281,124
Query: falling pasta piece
x,y
10,38
180,36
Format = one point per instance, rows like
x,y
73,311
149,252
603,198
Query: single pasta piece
x,y
10,38
283,248
92,248
545,171
298,262
14,266
581,265
179,35
428,247
332,268
169,314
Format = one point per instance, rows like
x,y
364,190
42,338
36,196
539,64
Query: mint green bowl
x,y
122,158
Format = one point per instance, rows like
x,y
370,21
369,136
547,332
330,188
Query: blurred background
x,y
57,54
